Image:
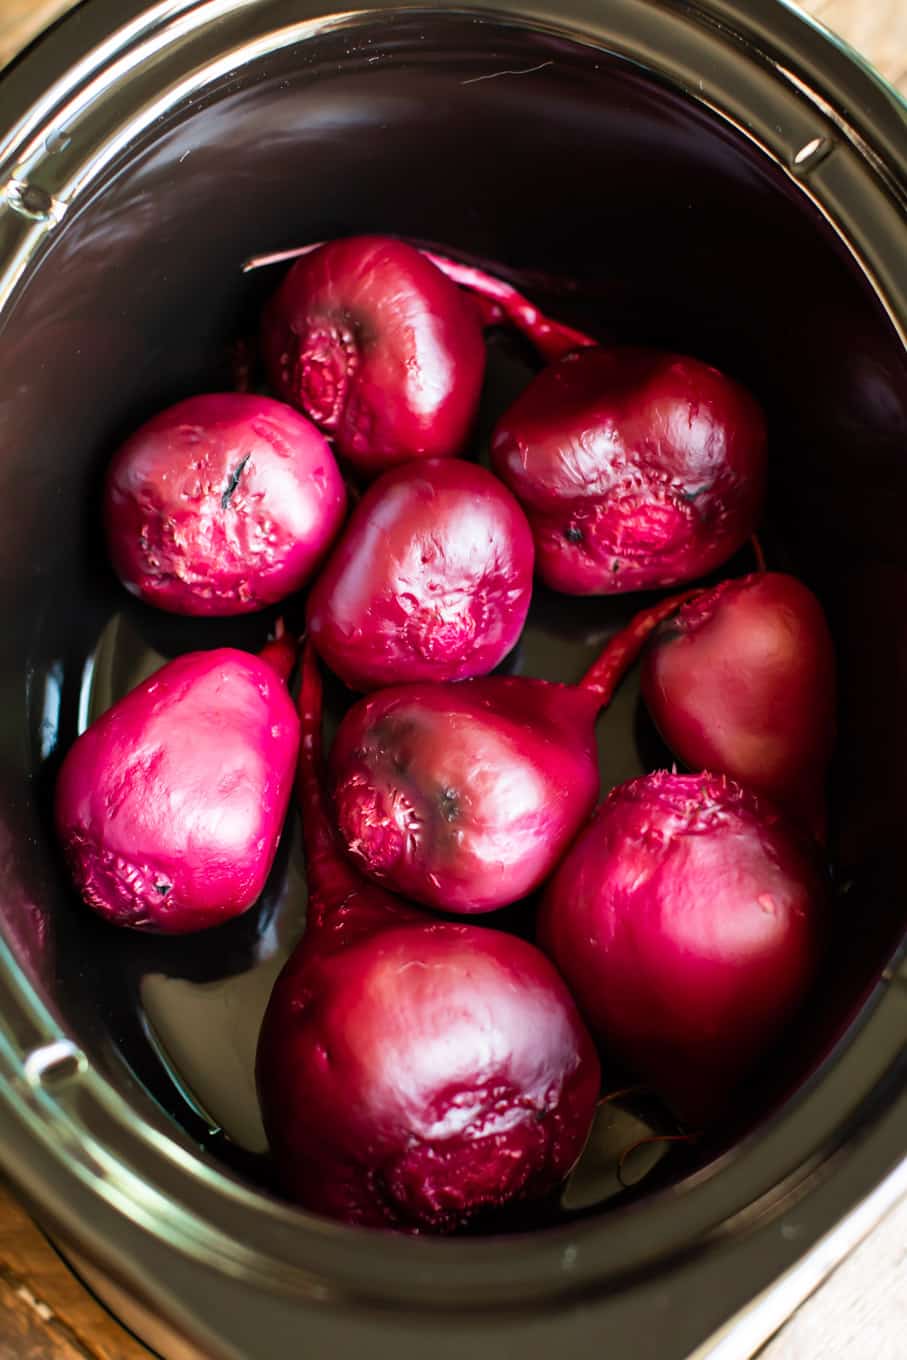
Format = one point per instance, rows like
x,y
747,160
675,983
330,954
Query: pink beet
x,y
637,468
221,504
741,681
379,348
431,580
687,920
170,806
464,797
413,1073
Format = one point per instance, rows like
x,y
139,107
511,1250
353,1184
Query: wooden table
x,y
860,1313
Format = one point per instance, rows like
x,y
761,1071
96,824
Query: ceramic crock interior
x,y
621,205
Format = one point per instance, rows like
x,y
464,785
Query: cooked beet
x,y
379,348
637,468
687,920
431,580
221,504
169,807
741,681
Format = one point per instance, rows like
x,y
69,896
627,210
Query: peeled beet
x,y
741,681
379,348
464,797
687,920
637,468
221,504
413,1073
170,806
431,580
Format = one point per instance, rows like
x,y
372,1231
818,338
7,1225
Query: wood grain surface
x,y
45,1313
860,1313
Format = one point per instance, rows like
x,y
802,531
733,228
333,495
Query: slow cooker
x,y
718,177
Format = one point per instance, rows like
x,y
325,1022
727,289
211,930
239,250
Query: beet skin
x,y
686,920
465,796
412,1072
221,504
741,681
637,469
170,806
431,580
379,348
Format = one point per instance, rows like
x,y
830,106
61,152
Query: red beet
x,y
464,797
741,681
170,806
637,468
412,1072
378,348
221,504
496,302
687,921
431,580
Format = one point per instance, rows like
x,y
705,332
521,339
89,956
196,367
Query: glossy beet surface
x,y
413,1073
379,348
742,681
687,921
463,797
431,580
221,504
637,468
170,806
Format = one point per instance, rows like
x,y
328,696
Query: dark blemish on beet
x,y
450,805
233,483
573,534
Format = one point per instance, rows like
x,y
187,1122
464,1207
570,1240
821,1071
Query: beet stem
x,y
280,652
620,652
498,301
551,338
759,555
332,882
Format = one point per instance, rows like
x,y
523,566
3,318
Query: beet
x,y
496,302
379,348
741,681
413,1073
431,580
221,504
464,797
687,919
637,468
170,806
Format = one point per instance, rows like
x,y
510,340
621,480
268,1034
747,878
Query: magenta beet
x,y
221,504
431,580
686,920
741,681
170,806
464,797
637,468
379,348
413,1073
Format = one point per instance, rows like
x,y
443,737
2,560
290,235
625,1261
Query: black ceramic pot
x,y
717,177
